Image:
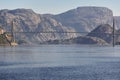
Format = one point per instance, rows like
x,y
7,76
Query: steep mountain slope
x,y
104,32
30,27
26,21
85,19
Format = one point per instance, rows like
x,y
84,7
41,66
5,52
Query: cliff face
x,y
25,20
38,28
85,19
104,32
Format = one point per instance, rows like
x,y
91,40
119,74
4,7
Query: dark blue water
x,y
60,62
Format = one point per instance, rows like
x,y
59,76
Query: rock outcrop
x,y
104,31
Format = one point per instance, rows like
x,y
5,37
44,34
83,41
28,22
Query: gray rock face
x,y
85,19
104,32
27,21
38,28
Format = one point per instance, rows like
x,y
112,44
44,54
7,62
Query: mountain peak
x,y
81,19
92,7
21,10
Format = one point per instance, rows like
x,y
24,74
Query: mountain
x,y
85,19
31,27
104,32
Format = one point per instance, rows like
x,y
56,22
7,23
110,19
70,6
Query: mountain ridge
x,y
85,18
81,19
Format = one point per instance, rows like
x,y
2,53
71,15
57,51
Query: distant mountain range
x,y
30,27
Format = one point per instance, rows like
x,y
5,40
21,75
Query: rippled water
x,y
60,62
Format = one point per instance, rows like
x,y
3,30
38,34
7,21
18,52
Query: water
x,y
60,62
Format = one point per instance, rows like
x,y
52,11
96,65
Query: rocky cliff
x,y
33,27
104,31
85,19
30,27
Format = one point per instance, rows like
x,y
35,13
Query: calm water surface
x,y
60,62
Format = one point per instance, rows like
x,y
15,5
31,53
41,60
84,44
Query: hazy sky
x,y
58,6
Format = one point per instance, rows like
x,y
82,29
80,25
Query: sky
x,y
59,6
